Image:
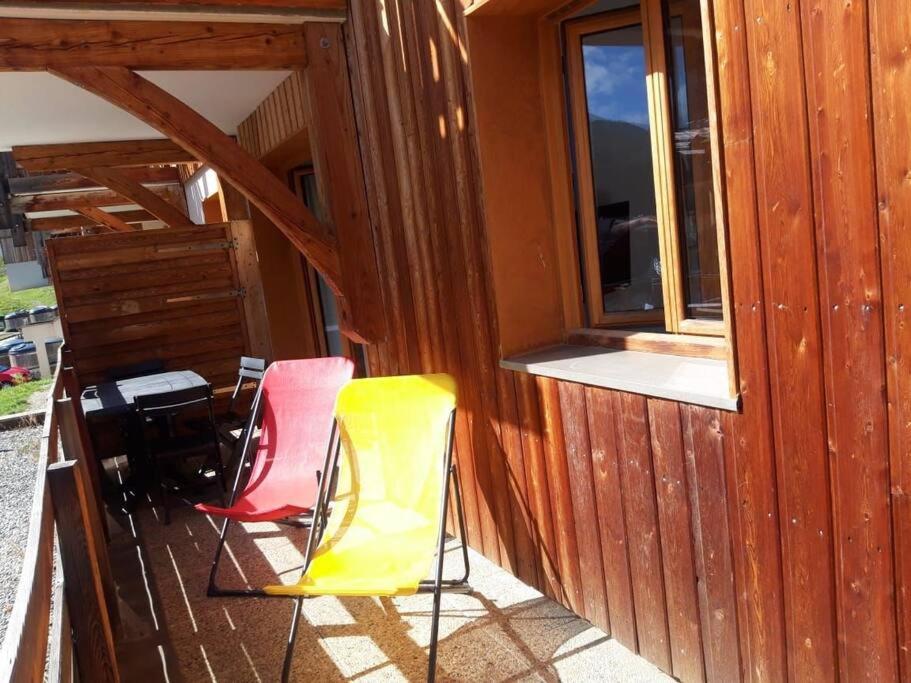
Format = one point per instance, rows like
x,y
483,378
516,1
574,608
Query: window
x,y
645,161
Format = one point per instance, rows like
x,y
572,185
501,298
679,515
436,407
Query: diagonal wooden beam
x,y
37,44
60,201
76,222
62,157
203,139
109,219
65,182
117,181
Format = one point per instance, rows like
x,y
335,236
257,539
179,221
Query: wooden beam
x,y
84,589
63,157
137,194
196,134
76,200
37,44
336,158
65,182
341,5
111,220
59,223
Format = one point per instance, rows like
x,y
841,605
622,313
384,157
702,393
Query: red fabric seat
x,y
298,399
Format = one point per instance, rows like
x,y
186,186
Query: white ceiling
x,y
37,108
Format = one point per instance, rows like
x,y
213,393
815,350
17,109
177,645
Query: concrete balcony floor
x,y
170,631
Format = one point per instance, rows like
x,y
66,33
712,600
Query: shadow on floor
x,y
502,631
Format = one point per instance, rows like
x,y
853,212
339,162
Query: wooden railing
x,y
58,601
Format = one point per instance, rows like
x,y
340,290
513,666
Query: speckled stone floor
x,y
502,631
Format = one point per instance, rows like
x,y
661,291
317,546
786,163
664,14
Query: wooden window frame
x,y
650,15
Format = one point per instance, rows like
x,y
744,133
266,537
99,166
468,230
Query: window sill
x,y
701,381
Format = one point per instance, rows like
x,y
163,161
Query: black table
x,y
112,399
116,401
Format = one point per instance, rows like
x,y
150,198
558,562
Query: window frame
x,y
651,15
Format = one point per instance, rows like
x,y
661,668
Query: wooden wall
x,y
170,295
772,544
282,114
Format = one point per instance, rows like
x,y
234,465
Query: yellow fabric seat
x,y
382,533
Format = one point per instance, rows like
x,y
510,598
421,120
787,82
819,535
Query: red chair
x,y
295,402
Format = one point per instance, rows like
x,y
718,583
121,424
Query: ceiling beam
x,y
114,179
37,44
239,11
167,114
66,156
58,223
71,201
68,182
110,220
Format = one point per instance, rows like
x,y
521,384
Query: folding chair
x,y
159,413
389,510
295,402
251,370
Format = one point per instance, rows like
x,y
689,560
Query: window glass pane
x,y
621,157
693,161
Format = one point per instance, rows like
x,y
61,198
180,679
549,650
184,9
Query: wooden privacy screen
x,y
175,295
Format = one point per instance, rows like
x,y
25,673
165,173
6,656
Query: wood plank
x,y
110,220
523,533
64,156
184,242
336,158
704,445
63,182
170,116
787,240
560,495
641,515
60,223
70,201
836,61
585,512
125,186
674,516
74,438
107,285
95,655
615,546
39,44
538,489
890,26
753,486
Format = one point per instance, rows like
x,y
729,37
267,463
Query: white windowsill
x,y
702,381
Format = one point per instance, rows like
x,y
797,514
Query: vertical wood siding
x,y
771,544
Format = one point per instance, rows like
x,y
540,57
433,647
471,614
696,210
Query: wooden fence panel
x,y
173,295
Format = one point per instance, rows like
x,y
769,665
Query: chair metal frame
x,y
436,586
156,406
253,369
213,590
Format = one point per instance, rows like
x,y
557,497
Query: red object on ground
x,y
14,374
298,404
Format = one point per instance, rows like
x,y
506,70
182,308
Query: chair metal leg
x,y
317,525
441,547
292,636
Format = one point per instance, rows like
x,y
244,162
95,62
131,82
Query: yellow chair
x,y
388,512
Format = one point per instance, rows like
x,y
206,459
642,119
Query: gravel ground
x,y
18,461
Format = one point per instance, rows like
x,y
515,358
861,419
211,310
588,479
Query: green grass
x,y
26,298
14,399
